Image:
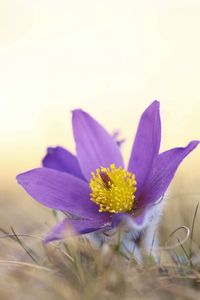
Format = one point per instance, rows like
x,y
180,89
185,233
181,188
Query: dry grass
x,y
75,269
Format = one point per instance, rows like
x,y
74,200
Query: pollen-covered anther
x,y
113,189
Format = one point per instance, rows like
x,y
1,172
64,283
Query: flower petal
x,y
95,146
61,159
163,171
132,222
146,145
58,232
140,219
59,190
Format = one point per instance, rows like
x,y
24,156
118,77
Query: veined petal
x,y
163,171
59,190
95,146
146,145
58,232
61,159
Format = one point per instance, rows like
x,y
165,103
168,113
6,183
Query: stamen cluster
x,y
113,189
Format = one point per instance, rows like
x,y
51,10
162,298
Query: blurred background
x,y
110,58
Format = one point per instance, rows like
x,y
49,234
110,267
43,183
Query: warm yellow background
x,y
109,57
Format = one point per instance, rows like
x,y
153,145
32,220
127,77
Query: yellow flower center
x,y
113,189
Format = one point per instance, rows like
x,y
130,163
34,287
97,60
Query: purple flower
x,y
94,186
